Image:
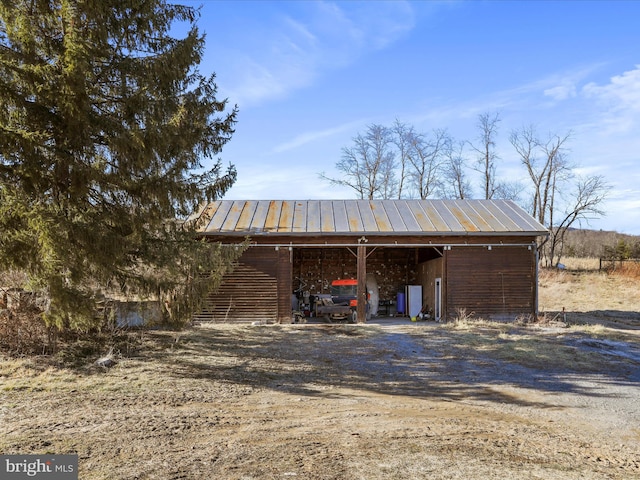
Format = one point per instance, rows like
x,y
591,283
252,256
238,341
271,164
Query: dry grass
x,y
581,263
580,291
530,345
628,270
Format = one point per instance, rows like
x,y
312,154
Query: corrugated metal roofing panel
x,y
431,217
397,220
299,217
340,216
459,212
327,216
497,211
380,214
425,223
272,220
408,216
493,221
519,216
448,217
353,214
439,225
246,215
313,216
230,217
285,224
367,217
259,220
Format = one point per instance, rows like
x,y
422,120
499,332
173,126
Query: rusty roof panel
x,y
367,217
464,215
285,223
407,214
452,221
327,220
496,212
434,215
426,217
380,215
231,217
220,213
340,217
353,216
246,215
488,213
272,219
259,220
424,223
397,221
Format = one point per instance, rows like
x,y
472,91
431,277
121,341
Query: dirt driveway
x,y
389,401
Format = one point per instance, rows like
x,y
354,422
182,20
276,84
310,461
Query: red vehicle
x,y
342,302
345,292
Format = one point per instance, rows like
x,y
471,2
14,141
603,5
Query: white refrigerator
x,y
413,295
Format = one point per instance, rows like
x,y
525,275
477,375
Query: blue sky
x,y
309,76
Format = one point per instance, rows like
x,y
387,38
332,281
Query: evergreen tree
x,y
105,121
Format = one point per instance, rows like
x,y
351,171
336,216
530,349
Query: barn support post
x,y
361,310
536,292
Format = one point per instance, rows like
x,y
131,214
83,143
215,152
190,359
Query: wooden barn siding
x,y
248,293
284,282
493,282
427,274
394,267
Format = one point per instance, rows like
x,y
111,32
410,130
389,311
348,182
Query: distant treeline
x,y
601,244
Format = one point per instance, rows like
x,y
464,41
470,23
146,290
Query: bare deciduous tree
x,y
584,204
487,157
368,167
427,156
402,134
455,183
555,188
486,150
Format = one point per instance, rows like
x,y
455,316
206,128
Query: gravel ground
x,y
391,400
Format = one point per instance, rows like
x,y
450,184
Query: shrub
x,y
23,332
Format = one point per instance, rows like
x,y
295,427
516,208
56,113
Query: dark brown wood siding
x,y
285,288
427,274
499,282
249,293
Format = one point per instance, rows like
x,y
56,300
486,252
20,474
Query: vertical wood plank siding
x,y
493,282
284,277
250,292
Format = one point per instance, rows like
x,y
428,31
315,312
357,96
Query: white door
x,y
438,300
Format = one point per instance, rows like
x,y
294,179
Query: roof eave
x,y
462,233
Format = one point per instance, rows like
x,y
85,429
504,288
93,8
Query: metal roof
x,y
357,217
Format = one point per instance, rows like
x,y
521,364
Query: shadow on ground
x,y
424,361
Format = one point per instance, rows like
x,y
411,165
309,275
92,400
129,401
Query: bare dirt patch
x,y
392,400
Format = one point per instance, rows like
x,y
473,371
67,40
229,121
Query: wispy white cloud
x,y
290,52
308,137
619,100
257,183
562,92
